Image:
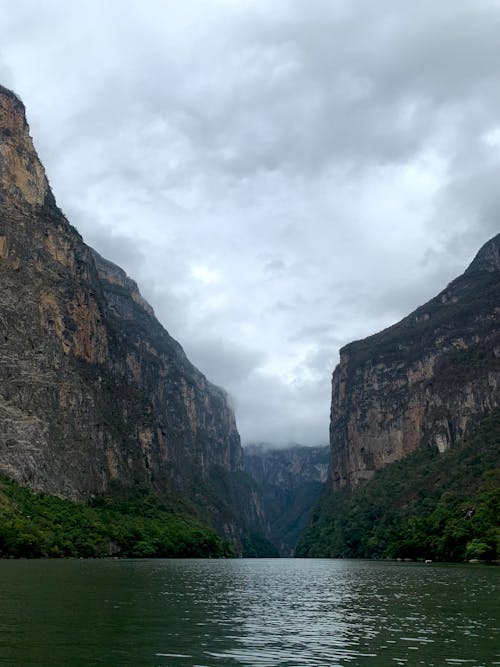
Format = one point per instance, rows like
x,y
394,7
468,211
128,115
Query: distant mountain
x,y
289,483
94,392
428,382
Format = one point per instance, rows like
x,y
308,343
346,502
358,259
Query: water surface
x,y
256,613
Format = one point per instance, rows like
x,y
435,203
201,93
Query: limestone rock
x,y
92,388
429,378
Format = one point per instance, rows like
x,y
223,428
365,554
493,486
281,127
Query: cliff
x,y
289,482
428,379
415,432
93,390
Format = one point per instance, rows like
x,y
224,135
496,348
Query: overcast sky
x,y
279,176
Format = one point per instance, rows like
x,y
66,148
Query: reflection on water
x,y
259,613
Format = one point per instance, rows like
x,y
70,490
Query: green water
x,y
204,613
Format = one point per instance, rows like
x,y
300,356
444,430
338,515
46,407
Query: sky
x,y
280,178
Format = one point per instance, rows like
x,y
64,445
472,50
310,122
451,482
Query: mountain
x,y
94,392
430,383
289,483
431,377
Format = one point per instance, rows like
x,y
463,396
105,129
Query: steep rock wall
x,y
92,388
429,378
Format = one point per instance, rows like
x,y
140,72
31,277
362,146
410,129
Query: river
x,y
257,613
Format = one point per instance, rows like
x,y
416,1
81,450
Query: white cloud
x,y
279,178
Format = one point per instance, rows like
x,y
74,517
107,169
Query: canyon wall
x,y
428,379
93,390
289,483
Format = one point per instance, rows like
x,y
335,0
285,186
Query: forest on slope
x,y
125,522
444,507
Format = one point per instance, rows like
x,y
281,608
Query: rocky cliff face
x,y
289,484
428,379
92,388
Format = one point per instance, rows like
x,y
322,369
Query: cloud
x,y
226,363
279,178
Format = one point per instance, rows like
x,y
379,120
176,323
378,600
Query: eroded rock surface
x,y
92,387
429,378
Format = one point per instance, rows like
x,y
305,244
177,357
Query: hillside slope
x,y
428,505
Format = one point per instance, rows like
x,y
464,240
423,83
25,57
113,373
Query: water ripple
x,y
247,613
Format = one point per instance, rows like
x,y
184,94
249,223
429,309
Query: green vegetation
x,y
255,545
224,501
124,522
429,505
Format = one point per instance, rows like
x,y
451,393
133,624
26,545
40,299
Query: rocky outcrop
x,y
428,379
23,184
289,484
92,388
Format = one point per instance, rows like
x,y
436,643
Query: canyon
x,y
289,484
96,396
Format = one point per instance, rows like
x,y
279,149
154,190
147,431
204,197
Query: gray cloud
x,y
280,178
